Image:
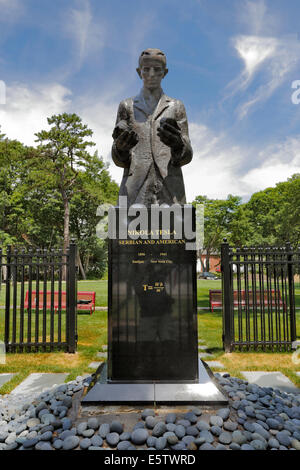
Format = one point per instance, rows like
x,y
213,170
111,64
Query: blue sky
x,y
232,63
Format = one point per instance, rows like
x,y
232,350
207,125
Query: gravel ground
x,y
257,418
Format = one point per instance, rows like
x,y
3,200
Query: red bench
x,y
215,298
85,300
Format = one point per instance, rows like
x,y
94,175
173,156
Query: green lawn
x,y
92,332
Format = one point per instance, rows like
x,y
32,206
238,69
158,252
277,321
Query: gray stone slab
x,y
95,365
104,347
215,364
204,355
298,373
5,378
120,393
204,392
200,394
202,348
102,355
37,383
271,379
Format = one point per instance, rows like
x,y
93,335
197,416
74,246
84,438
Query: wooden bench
x,y
48,303
85,300
215,298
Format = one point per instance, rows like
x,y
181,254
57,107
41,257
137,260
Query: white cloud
x,y
217,168
27,109
254,51
100,114
279,162
88,36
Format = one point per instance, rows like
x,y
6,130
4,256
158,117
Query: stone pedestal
x,y
152,315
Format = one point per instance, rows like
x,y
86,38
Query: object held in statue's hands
x,y
170,133
124,137
119,129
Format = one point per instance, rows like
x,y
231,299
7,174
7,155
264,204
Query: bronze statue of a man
x,y
151,140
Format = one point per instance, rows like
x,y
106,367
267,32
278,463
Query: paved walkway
x,y
271,379
37,383
5,378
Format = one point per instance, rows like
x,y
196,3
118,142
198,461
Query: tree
x,y
93,187
288,216
218,217
62,153
274,215
13,169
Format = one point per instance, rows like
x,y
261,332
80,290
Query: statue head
x,y
152,67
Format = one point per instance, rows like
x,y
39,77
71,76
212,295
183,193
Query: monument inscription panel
x,y
152,310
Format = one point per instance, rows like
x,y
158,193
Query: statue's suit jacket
x,y
149,149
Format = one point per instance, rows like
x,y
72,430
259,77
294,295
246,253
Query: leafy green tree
x,y
288,216
29,210
274,214
218,218
62,153
262,209
93,187
12,171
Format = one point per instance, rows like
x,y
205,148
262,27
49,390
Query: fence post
x,y
291,291
7,297
227,320
72,298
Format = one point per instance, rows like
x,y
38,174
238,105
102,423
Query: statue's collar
x,y
139,102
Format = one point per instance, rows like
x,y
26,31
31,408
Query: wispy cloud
x,y
256,18
11,10
265,54
88,34
254,51
275,58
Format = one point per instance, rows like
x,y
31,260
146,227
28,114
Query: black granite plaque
x,y
152,307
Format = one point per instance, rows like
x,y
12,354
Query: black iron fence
x,y
259,309
38,300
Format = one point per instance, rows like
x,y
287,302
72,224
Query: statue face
x,y
152,72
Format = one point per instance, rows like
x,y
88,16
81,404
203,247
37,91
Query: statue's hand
x,y
126,141
170,134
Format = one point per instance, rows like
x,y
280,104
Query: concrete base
x,y
205,392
